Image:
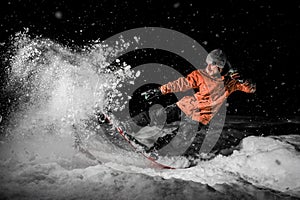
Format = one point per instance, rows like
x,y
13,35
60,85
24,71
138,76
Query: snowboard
x,y
157,160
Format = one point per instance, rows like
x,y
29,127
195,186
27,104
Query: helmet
x,y
217,57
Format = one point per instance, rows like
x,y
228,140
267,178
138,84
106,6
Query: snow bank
x,y
52,181
262,161
266,162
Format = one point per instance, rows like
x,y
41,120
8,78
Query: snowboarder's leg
x,y
167,115
194,150
156,116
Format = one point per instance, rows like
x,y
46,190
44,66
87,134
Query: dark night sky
x,y
261,38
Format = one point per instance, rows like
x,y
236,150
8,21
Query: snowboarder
x,y
214,83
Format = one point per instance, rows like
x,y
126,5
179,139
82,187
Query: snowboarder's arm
x,y
182,84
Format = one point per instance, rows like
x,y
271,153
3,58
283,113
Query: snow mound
x,y
264,162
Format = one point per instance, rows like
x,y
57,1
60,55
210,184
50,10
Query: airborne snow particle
x,y
138,73
137,39
58,14
176,5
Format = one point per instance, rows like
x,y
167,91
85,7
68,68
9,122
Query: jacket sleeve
x,y
193,80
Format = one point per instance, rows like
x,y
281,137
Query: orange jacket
x,y
205,103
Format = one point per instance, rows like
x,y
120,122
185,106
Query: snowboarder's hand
x,y
251,85
151,93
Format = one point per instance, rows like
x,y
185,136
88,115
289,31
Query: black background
x,y
261,38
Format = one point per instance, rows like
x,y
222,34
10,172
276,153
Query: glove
x,y
251,85
151,93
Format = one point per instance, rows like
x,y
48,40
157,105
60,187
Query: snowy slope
x,y
39,173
